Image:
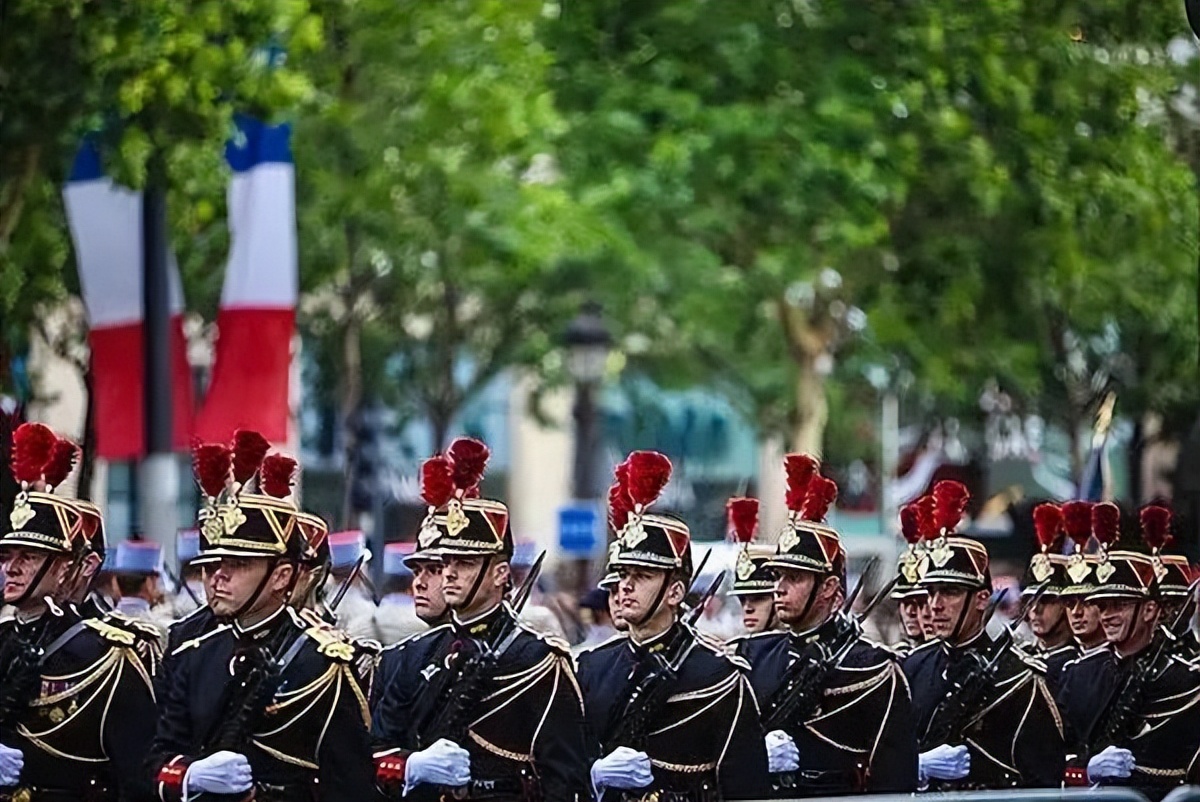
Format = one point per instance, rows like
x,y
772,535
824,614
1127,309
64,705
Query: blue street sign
x,y
577,529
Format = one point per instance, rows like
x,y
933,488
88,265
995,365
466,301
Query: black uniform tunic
x,y
1055,660
525,724
1014,734
1165,731
704,740
312,742
862,735
86,730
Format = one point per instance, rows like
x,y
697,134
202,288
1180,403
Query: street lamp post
x,y
588,343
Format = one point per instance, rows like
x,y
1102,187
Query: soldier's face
x,y
803,599
639,590
957,613
1084,618
910,616
756,611
458,578
1127,622
428,599
21,567
236,581
614,611
1046,616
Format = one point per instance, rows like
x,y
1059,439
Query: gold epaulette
x,y
331,644
112,634
141,629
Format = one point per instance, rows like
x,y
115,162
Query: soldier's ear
x,y
502,574
981,599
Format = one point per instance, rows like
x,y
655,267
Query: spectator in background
x,y
356,612
136,569
536,615
600,626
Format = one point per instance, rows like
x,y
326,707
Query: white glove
x,y
444,763
1114,763
944,762
219,773
11,763
782,752
621,768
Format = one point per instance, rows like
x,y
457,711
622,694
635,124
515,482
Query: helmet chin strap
x,y
962,617
658,600
1127,630
272,564
47,561
478,583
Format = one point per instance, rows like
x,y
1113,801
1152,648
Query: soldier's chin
x,y
12,592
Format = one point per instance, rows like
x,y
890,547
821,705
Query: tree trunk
x,y
351,397
12,194
812,409
87,457
439,424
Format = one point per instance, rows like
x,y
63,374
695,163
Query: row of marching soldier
x,y
258,695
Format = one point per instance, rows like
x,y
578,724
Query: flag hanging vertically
x,y
257,317
106,228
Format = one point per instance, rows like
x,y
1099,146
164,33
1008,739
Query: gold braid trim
x,y
684,768
496,750
1160,772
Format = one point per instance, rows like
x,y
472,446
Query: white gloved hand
x,y
11,763
219,773
444,763
621,768
944,762
782,752
1114,763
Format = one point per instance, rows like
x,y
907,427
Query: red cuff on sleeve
x,y
170,779
389,770
1075,777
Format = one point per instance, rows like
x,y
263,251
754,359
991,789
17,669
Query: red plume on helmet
x,y
1077,522
249,450
950,503
822,492
649,472
743,518
1156,526
276,475
212,462
437,481
62,460
469,458
1047,524
799,470
33,444
910,523
620,506
1106,523
927,517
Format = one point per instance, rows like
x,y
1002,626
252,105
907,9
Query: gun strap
x,y
62,640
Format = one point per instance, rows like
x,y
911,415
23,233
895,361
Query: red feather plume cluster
x,y
276,475
910,523
950,503
1047,524
249,449
743,518
62,460
469,458
1106,522
926,517
1156,526
649,472
437,481
822,492
32,445
211,463
620,506
800,470
1077,521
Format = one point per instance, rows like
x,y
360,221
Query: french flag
x,y
256,322
106,227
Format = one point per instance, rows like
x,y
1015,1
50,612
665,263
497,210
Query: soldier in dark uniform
x,y
985,718
429,603
1174,575
837,702
1140,701
912,602
753,583
264,703
76,705
674,716
1045,579
483,705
